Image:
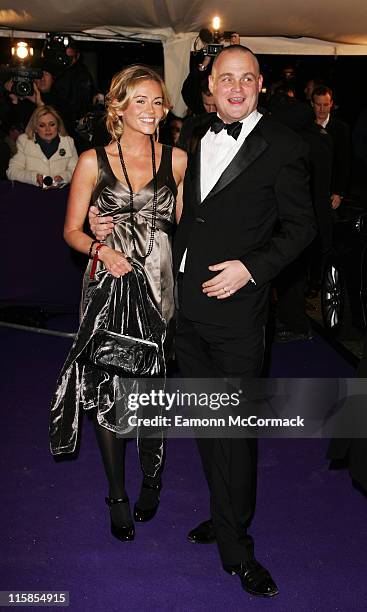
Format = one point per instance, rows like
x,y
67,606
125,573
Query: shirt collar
x,y
247,121
324,123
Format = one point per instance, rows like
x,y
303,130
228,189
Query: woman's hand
x,y
114,261
39,179
58,179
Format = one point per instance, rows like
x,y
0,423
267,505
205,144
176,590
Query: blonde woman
x,y
45,150
137,182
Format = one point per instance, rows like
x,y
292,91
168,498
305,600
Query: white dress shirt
x,y
217,152
324,123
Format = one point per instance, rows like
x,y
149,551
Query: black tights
x,y
113,450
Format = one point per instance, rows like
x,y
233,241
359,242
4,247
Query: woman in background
x,y
45,150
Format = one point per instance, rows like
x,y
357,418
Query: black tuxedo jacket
x,y
259,211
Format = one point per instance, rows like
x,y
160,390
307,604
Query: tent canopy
x,y
331,20
333,27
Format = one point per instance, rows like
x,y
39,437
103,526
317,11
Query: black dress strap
x,y
165,173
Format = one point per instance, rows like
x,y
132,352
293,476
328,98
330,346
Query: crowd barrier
x,y
38,268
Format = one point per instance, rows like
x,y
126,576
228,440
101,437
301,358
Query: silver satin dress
x,y
78,385
113,199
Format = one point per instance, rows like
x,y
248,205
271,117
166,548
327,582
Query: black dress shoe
x,y
286,335
124,533
149,497
203,533
255,579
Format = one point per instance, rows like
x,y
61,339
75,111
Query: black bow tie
x,y
233,129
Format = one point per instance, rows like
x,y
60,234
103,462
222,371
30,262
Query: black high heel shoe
x,y
149,495
124,533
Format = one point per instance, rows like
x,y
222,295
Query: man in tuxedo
x,y
247,214
322,104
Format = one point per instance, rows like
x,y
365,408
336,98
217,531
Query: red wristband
x,y
95,259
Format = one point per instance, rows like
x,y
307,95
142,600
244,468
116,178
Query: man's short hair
x,y
322,90
231,48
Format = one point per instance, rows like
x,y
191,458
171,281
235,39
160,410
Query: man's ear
x,y
260,83
210,83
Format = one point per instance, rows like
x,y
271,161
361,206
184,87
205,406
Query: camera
x,y
55,47
211,42
23,80
47,182
213,39
212,49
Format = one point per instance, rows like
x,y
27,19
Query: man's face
x,y
235,83
310,86
322,106
45,83
208,102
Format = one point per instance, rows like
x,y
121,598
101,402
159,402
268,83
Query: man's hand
x,y
101,227
232,276
8,85
36,96
39,179
336,200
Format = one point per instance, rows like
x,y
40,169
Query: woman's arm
x,y
82,185
179,163
17,165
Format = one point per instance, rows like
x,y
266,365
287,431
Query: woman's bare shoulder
x,y
87,166
88,159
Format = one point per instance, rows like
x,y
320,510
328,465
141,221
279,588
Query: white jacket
x,y
29,161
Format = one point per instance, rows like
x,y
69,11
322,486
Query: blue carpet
x,y
310,527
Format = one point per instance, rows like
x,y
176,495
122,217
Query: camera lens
x,y
23,88
47,181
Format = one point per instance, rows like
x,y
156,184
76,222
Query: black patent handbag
x,y
122,355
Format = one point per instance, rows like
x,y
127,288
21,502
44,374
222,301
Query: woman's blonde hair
x,y
123,85
36,116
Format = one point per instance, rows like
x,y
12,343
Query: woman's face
x,y
47,127
145,109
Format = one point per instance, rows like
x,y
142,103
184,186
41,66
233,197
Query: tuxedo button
x,y
200,220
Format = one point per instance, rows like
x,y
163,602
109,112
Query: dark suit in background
x,y
342,154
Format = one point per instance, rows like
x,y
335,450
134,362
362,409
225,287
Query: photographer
x,y
21,108
46,155
74,86
197,81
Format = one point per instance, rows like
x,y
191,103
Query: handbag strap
x,y
143,310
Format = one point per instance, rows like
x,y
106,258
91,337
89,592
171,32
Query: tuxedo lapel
x,y
254,145
195,175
